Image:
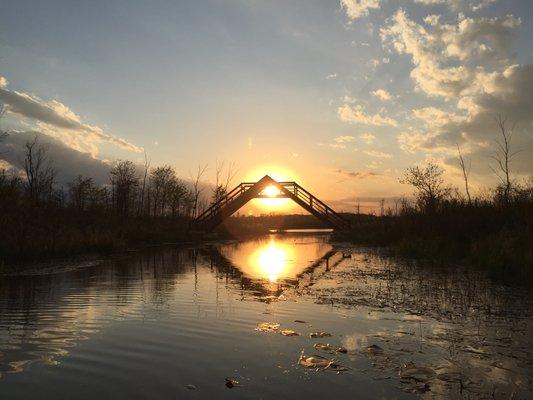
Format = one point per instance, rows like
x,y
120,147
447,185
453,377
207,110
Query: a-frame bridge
x,y
246,191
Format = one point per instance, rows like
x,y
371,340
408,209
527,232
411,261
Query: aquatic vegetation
x,y
289,332
231,382
320,363
319,334
373,349
329,348
267,327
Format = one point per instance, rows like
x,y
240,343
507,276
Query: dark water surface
x,y
152,323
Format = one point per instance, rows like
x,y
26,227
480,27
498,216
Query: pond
x,y
236,320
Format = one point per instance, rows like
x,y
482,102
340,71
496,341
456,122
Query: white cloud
x,y
56,119
411,142
476,133
432,19
357,115
331,76
359,8
382,94
3,82
458,4
344,139
481,39
377,154
435,117
368,138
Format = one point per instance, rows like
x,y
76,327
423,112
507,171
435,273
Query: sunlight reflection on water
x,y
165,318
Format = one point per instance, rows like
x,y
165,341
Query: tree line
x,y
41,217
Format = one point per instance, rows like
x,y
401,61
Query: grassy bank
x,y
497,239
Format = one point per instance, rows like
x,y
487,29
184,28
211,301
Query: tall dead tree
x,y
222,184
503,155
143,184
197,191
466,172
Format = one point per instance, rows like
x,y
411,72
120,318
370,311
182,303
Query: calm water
x,y
153,323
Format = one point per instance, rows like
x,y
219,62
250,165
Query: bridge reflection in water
x,y
270,264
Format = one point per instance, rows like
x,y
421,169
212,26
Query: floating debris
x,y
190,387
267,327
373,349
319,334
320,363
329,348
231,382
289,332
473,350
300,321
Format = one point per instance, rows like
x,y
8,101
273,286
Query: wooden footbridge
x,y
246,191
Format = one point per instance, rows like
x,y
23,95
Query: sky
x,y
341,96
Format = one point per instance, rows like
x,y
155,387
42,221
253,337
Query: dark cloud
x,y
68,163
356,175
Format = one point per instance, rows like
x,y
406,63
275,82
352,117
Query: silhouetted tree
x,y
503,156
466,173
197,190
161,182
143,185
429,185
39,172
124,182
222,184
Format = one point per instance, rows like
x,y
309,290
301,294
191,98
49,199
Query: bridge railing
x,y
314,202
229,197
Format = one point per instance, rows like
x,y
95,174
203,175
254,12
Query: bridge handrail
x,y
312,200
231,195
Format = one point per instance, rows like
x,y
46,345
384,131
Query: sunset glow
x,y
271,191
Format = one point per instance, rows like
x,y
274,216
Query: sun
x,y
271,191
272,202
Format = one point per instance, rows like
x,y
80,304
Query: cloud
x,y
56,119
435,117
457,4
378,154
331,76
357,115
382,94
411,142
432,52
356,175
68,163
3,82
476,134
344,139
359,8
368,138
